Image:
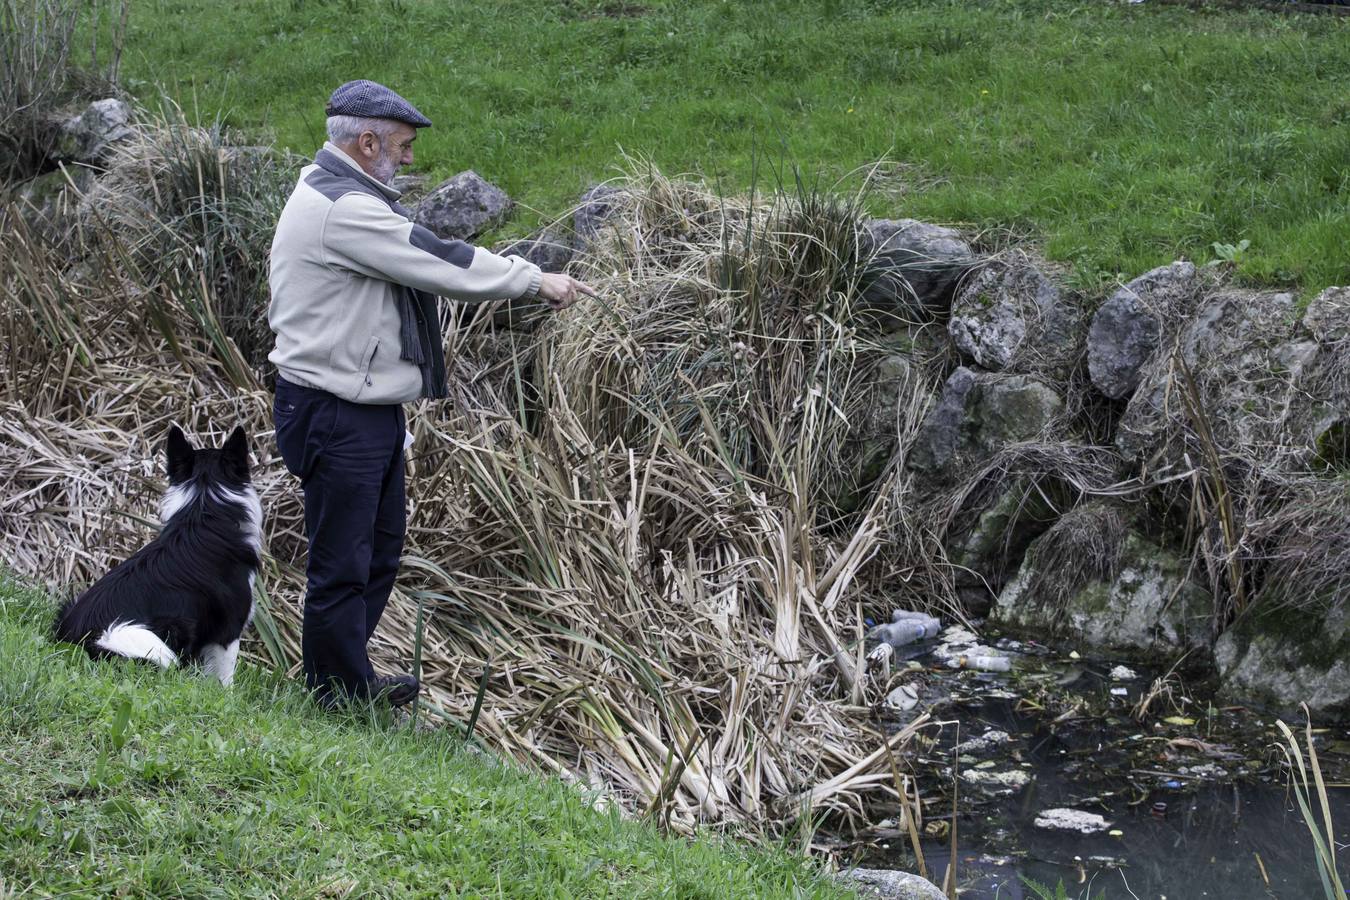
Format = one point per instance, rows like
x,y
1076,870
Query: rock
x,y
1143,602
1071,820
1012,316
411,186
547,248
88,137
463,207
1286,657
1260,382
1127,328
889,885
979,414
871,443
46,200
913,267
986,549
1327,317
597,204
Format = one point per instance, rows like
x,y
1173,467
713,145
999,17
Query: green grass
x,y
1117,136
118,779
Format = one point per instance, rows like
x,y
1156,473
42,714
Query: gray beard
x,y
385,167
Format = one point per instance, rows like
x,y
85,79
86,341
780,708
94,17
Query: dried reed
x,y
622,557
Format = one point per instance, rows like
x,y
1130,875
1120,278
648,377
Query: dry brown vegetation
x,y
623,516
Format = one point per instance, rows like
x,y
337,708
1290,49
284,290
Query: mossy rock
x,y
997,539
1149,607
1284,657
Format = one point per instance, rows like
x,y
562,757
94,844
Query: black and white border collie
x,y
188,594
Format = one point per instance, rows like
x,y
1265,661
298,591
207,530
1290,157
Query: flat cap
x,y
373,101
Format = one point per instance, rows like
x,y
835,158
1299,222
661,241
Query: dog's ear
x,y
235,453
179,455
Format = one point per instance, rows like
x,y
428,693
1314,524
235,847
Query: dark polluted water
x,y
1194,798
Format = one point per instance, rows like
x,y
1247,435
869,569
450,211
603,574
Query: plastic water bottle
x,y
905,628
982,663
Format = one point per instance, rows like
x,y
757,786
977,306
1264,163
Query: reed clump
x,y
623,528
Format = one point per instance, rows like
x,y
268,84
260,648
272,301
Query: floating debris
x,y
987,741
1072,820
906,627
1204,770
1007,782
904,698
981,663
959,648
1123,673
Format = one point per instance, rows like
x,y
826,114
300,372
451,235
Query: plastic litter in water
x,y
982,663
1071,820
903,698
1123,673
987,741
906,627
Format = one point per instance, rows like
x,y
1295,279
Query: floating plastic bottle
x,y
906,627
982,663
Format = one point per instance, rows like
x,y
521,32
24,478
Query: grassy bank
x,y
116,779
1120,136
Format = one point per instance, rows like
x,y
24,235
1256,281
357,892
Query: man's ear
x,y
179,455
369,142
235,453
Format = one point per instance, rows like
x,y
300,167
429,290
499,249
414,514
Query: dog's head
x,y
228,464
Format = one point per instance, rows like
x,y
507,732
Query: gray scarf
x,y
419,317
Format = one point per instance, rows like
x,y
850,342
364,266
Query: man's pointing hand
x,y
561,291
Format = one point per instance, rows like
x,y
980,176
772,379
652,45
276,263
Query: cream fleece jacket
x,y
343,251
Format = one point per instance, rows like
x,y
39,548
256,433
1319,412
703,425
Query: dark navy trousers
x,y
349,459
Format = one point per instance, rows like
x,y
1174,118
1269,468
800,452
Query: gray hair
x,y
343,129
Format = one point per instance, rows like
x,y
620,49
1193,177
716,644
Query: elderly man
x,y
354,285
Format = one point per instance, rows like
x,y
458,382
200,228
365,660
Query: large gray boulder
x,y
1127,329
46,201
548,248
912,267
1266,388
596,206
1287,657
463,207
1327,317
986,547
979,414
886,884
411,186
1012,316
1095,580
1291,642
895,379
88,138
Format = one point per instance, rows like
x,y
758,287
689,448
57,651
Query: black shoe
x,y
396,690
